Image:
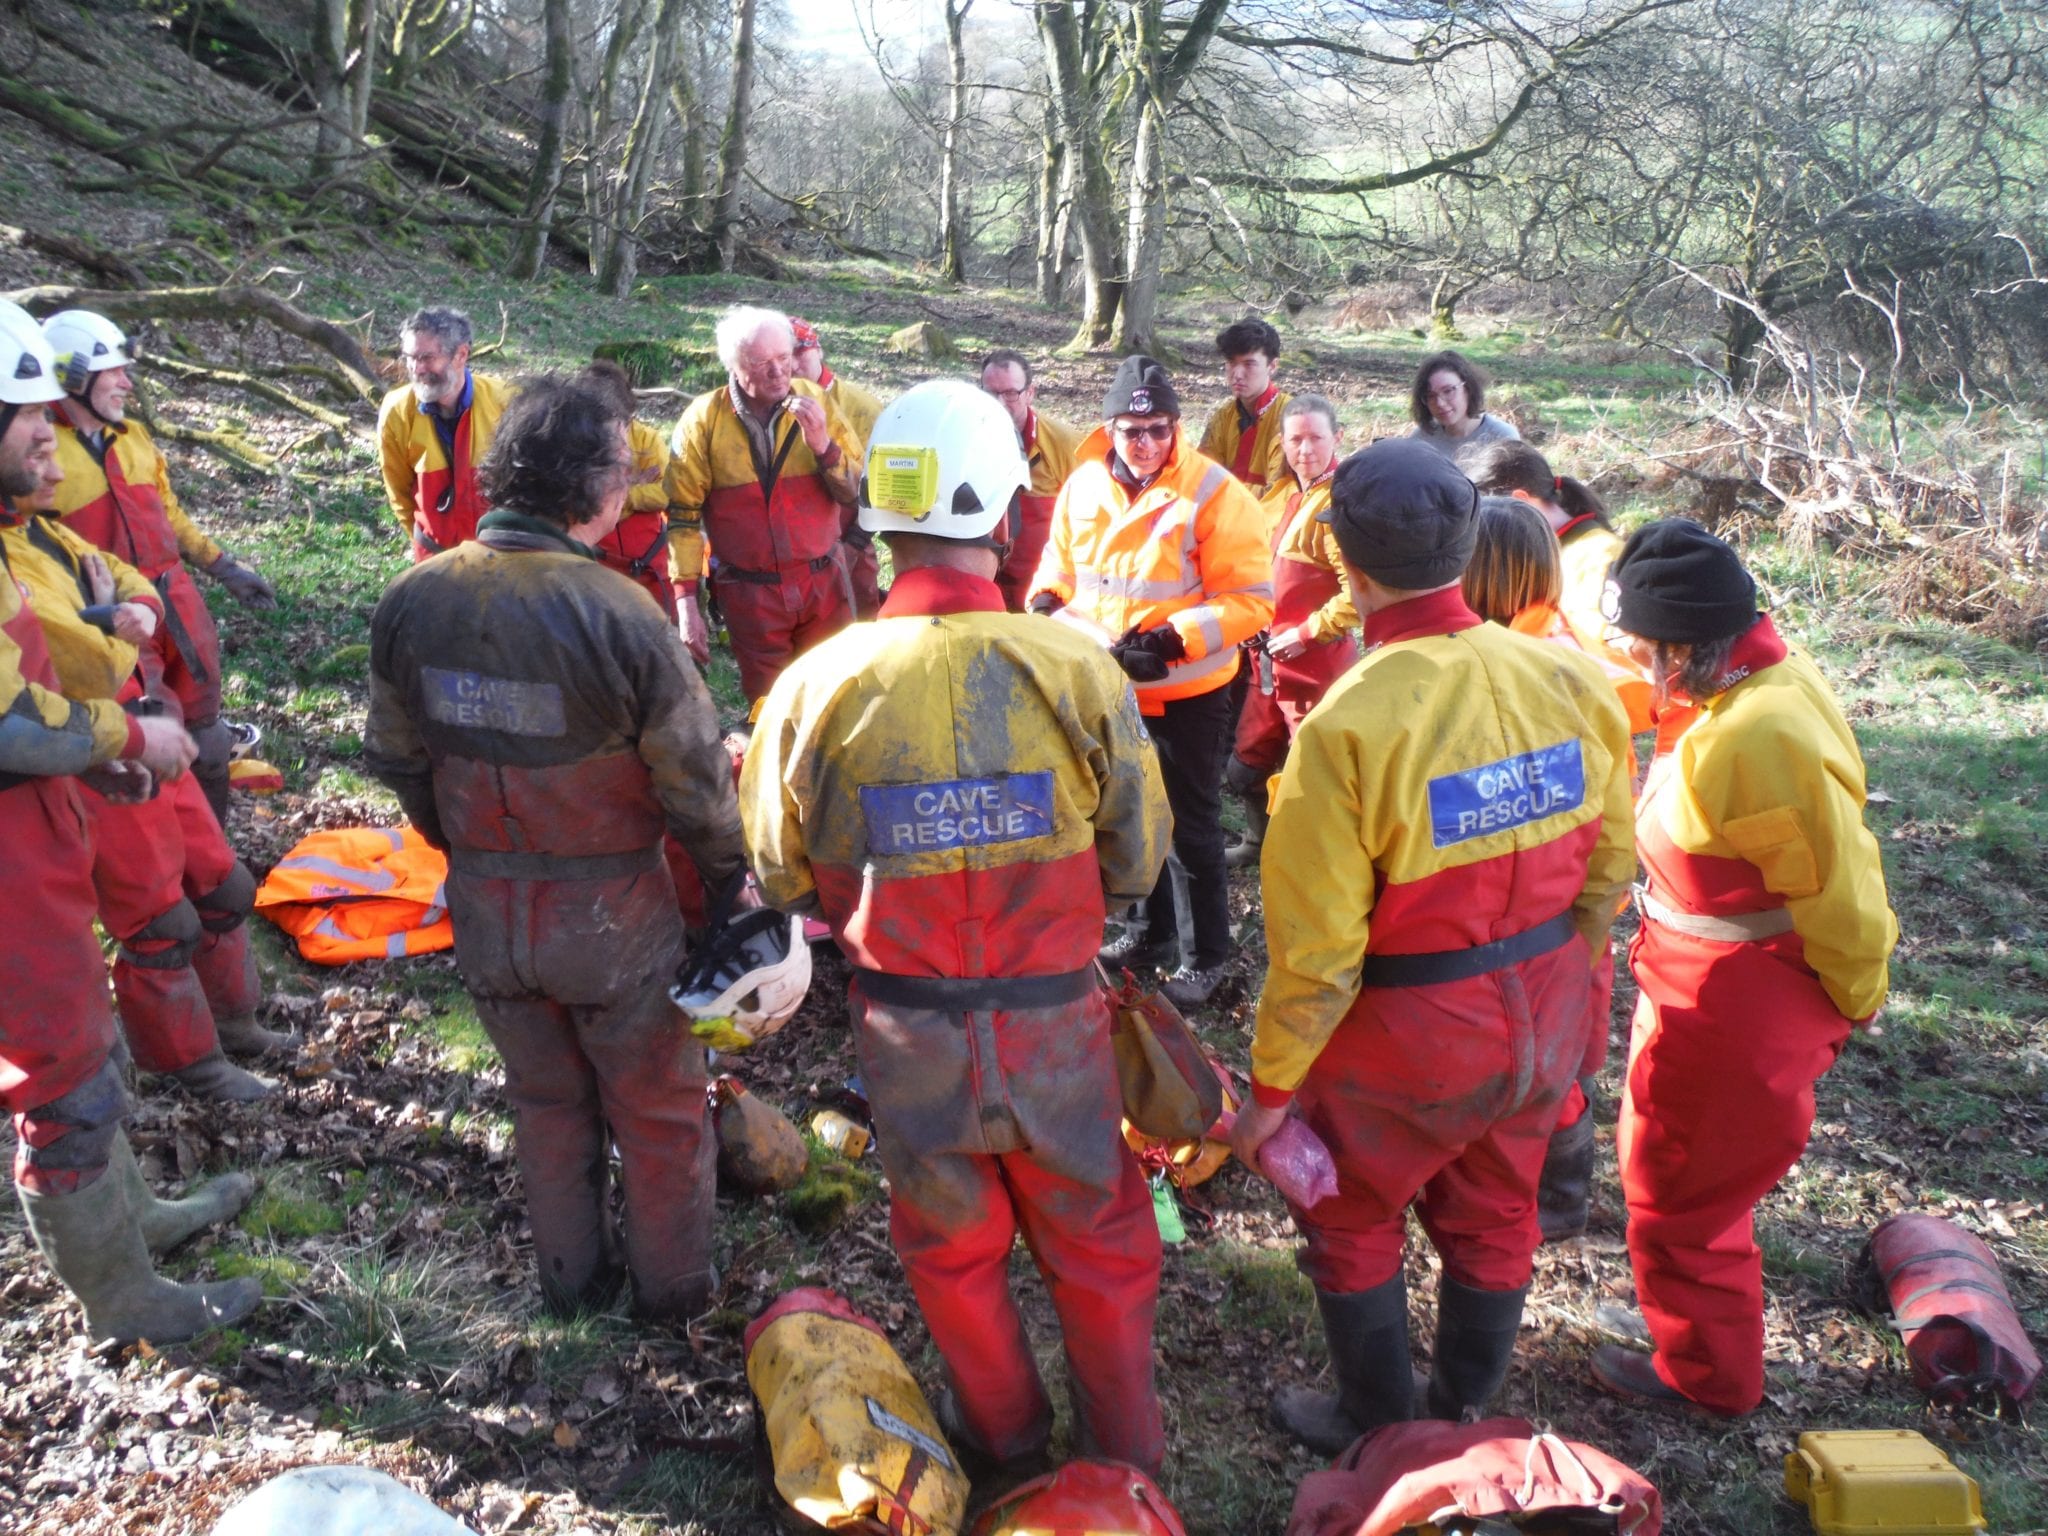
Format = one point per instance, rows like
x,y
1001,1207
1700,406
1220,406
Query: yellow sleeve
x,y
842,480
394,453
650,452
685,484
770,814
1277,472
42,733
1219,437
1339,616
196,548
1317,887
1237,574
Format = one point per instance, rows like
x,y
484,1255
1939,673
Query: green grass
x,y
296,1201
396,1315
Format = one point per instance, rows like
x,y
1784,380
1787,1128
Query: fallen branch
x,y
232,446
106,264
274,393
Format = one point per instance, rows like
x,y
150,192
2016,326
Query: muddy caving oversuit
x,y
56,1030
1765,931
1450,842
1049,447
116,494
773,513
1311,591
957,788
171,891
430,464
539,719
1245,439
638,546
863,564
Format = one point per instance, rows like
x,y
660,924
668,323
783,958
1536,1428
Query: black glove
x,y
1047,602
1144,655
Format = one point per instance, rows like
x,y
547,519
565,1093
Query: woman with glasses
x,y
1448,403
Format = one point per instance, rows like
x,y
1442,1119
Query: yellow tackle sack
x,y
856,1447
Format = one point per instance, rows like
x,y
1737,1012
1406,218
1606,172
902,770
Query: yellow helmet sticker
x,y
903,480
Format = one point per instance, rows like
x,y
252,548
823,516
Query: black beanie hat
x,y
1674,581
1404,514
1140,388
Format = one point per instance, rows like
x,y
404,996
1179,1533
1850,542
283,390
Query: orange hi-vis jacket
x,y
1452,790
436,505
46,558
762,518
1189,551
126,505
1249,450
360,893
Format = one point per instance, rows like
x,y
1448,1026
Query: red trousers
x,y
994,1122
55,1027
1729,1040
1444,1096
571,983
1265,727
772,622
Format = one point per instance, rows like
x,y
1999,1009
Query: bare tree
x,y
330,76
530,254
952,239
732,144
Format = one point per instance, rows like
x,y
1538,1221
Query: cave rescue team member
x,y
1244,434
116,493
638,547
1449,845
1314,634
539,719
1587,549
1049,446
957,789
860,408
1159,554
171,892
434,430
87,1207
762,467
1765,938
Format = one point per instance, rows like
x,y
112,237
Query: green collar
x,y
533,527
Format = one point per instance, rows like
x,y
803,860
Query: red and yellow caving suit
x,y
1462,788
56,1030
1588,550
1245,439
171,891
958,788
1311,591
863,565
774,518
438,505
638,546
1049,448
539,719
1751,821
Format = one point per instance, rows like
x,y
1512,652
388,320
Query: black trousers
x,y
1193,741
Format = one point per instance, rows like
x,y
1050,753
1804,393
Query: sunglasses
x,y
1158,432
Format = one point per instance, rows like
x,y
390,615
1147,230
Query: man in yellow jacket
x,y
957,789
434,430
1158,553
1049,446
1243,434
764,468
860,408
1450,842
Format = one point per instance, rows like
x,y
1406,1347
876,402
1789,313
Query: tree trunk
x,y
732,145
1051,227
362,69
530,255
952,237
1092,196
622,261
1145,231
330,80
603,114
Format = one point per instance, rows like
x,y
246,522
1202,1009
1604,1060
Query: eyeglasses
x,y
1008,396
1447,392
1158,432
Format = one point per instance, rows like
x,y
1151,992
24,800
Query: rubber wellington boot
x,y
1475,1340
213,1076
167,1223
1564,1195
241,1035
1244,853
1368,1338
93,1241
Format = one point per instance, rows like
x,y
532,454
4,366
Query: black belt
x,y
181,637
1463,964
975,994
774,578
493,864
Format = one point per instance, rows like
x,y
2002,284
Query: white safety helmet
x,y
944,460
746,981
85,344
28,368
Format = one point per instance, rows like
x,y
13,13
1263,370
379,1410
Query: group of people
x,y
1422,665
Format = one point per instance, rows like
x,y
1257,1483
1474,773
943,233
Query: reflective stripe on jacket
x,y
958,786
1459,786
1254,457
424,493
127,506
360,893
44,556
1189,551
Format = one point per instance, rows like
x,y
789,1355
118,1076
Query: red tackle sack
x,y
1084,1498
1945,1295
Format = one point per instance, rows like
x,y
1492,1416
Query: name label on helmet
x,y
1510,793
482,703
903,480
956,813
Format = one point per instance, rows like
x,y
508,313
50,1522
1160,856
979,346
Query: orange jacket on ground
x,y
1252,455
1189,551
425,495
360,893
126,505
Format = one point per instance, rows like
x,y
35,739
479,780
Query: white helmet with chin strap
x,y
746,980
943,460
85,344
28,367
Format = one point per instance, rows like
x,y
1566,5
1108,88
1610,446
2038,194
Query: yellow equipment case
x,y
1880,1482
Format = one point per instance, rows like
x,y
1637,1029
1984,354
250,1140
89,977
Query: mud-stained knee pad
x,y
228,905
75,1132
177,928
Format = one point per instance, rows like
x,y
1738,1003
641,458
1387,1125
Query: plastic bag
x,y
1298,1164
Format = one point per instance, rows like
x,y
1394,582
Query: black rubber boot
x,y
1564,1195
1475,1340
1368,1338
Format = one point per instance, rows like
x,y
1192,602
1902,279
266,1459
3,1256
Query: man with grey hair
x,y
434,430
764,466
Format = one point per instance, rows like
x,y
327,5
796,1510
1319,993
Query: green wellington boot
x,y
167,1223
